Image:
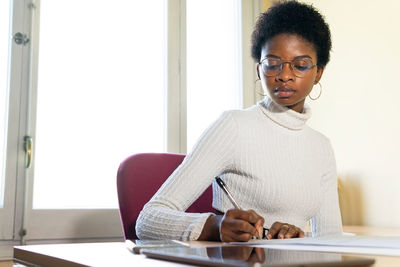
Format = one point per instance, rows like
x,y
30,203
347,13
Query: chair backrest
x,y
138,179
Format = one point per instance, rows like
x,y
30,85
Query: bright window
x,y
213,62
101,91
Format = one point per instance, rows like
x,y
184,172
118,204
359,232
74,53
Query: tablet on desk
x,y
253,256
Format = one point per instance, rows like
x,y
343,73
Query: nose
x,y
286,73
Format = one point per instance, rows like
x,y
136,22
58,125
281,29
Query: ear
x,y
320,70
258,70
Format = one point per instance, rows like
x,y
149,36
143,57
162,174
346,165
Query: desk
x,y
116,253
90,254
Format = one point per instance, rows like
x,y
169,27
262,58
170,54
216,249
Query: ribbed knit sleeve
x,y
164,216
328,220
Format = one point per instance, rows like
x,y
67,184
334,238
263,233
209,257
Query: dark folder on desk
x,y
253,256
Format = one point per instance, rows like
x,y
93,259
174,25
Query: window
x,y
100,97
101,91
101,81
213,62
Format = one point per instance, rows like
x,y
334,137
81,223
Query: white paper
x,y
343,244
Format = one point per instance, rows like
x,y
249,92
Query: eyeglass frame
x,y
290,62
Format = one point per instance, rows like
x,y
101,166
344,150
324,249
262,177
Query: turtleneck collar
x,y
284,116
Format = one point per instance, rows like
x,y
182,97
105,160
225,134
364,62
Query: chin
x,y
295,104
287,102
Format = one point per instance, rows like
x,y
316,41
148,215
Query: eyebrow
x,y
274,56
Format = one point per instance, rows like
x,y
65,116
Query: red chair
x,y
138,179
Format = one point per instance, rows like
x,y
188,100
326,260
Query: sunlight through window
x,y
213,62
101,91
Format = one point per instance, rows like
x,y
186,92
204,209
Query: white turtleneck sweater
x,y
271,161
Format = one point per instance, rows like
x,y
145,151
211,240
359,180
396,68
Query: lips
x,y
284,91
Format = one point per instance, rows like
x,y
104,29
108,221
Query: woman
x,y
278,168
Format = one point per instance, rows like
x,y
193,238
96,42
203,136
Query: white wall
x,y
359,107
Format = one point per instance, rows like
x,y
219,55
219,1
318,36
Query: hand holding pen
x,y
238,222
277,230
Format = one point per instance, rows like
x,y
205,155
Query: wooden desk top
x,y
83,254
116,253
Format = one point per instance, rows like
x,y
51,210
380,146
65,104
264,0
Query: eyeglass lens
x,y
273,66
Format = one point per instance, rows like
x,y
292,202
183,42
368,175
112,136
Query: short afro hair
x,y
294,18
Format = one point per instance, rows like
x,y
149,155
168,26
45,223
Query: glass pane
x,y
4,49
213,62
100,97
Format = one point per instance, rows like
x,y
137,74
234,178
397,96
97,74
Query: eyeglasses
x,y
300,67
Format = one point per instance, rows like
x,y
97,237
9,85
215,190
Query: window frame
x,y
11,214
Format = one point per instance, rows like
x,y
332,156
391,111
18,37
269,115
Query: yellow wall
x,y
266,4
359,109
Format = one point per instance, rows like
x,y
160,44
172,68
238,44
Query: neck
x,y
298,107
285,116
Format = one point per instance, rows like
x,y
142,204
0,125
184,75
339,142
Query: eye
x,y
302,68
302,64
271,64
271,67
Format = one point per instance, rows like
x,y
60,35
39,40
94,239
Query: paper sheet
x,y
343,244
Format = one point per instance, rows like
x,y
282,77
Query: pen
x,y
224,188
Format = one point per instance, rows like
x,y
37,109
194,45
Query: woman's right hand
x,y
240,225
234,225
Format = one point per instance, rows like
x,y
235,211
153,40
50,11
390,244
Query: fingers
x,y
274,230
240,225
301,234
256,220
284,230
248,215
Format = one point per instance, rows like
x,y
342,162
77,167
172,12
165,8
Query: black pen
x,y
224,188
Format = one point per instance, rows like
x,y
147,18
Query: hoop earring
x,y
255,87
320,92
